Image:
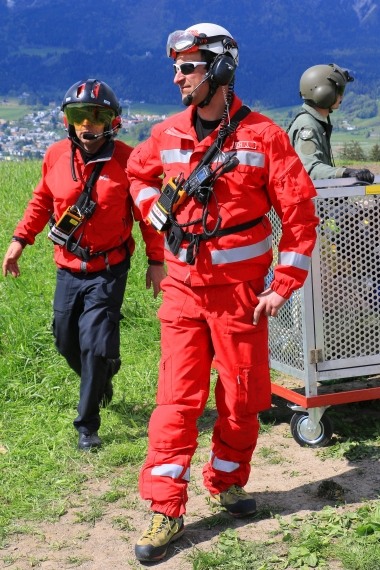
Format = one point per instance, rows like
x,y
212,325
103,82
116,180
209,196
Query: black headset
x,y
222,69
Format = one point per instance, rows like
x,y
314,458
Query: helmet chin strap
x,y
213,86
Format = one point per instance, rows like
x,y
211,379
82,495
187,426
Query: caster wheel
x,y
304,436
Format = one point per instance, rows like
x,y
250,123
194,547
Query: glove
x,y
363,174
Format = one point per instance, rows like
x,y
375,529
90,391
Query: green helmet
x,y
320,85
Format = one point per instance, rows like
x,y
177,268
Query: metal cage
x,y
330,329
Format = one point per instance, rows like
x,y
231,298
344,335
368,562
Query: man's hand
x,y
270,303
154,275
10,264
361,174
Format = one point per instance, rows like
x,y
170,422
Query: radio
x,y
70,220
172,196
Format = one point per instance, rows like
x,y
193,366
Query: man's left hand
x,y
154,275
270,303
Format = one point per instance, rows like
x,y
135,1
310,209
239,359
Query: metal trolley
x,y
330,329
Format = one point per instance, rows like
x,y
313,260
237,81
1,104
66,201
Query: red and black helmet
x,y
92,92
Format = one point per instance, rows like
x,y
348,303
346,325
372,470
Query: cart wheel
x,y
304,436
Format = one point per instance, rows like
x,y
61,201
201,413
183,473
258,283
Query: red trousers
x,y
199,325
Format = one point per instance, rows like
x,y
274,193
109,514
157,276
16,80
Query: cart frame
x,y
300,345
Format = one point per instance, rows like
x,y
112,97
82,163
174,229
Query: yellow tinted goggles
x,y
78,113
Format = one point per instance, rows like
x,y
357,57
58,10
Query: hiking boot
x,y
88,441
154,542
236,501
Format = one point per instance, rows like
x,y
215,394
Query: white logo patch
x,y
306,134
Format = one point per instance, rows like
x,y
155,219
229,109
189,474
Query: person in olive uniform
x,y
322,89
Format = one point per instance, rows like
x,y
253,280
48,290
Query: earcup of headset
x,y
116,123
222,69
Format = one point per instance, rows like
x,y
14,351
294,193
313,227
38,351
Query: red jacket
x,y
269,173
111,224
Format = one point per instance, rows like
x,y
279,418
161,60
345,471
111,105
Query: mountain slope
x,y
48,45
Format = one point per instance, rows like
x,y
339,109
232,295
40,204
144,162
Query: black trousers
x,y
86,327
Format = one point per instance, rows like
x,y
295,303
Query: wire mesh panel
x,y
331,327
349,250
286,332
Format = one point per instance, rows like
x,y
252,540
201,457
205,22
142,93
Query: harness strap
x,y
195,239
176,234
224,132
226,231
84,252
86,192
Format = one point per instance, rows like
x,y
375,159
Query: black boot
x,y
88,441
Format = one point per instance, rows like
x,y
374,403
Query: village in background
x,y
27,130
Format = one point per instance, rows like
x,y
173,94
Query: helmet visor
x,y
340,89
80,112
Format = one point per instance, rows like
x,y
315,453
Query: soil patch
x,y
287,479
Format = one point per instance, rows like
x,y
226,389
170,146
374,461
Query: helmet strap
x,y
213,86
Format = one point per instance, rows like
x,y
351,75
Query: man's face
x,y
89,120
86,127
338,102
187,82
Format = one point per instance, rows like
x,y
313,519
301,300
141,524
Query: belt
x,y
177,236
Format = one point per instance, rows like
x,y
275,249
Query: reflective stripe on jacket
x,y
269,173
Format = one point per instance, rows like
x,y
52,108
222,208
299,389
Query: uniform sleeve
x,y
145,175
37,213
154,242
309,150
291,192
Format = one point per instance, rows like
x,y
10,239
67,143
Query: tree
x,y
374,154
352,151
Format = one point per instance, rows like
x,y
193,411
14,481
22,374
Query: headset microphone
x,y
189,98
91,137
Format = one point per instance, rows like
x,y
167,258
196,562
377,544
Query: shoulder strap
x,y
240,114
86,192
224,132
296,117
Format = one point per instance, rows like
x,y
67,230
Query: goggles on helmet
x,y
183,40
80,112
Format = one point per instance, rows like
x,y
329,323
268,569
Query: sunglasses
x,y
78,113
187,67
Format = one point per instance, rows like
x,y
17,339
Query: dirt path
x,y
285,479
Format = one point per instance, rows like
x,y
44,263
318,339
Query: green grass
x,y
316,541
42,472
12,110
151,109
39,392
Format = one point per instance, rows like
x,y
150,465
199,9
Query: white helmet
x,y
208,37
